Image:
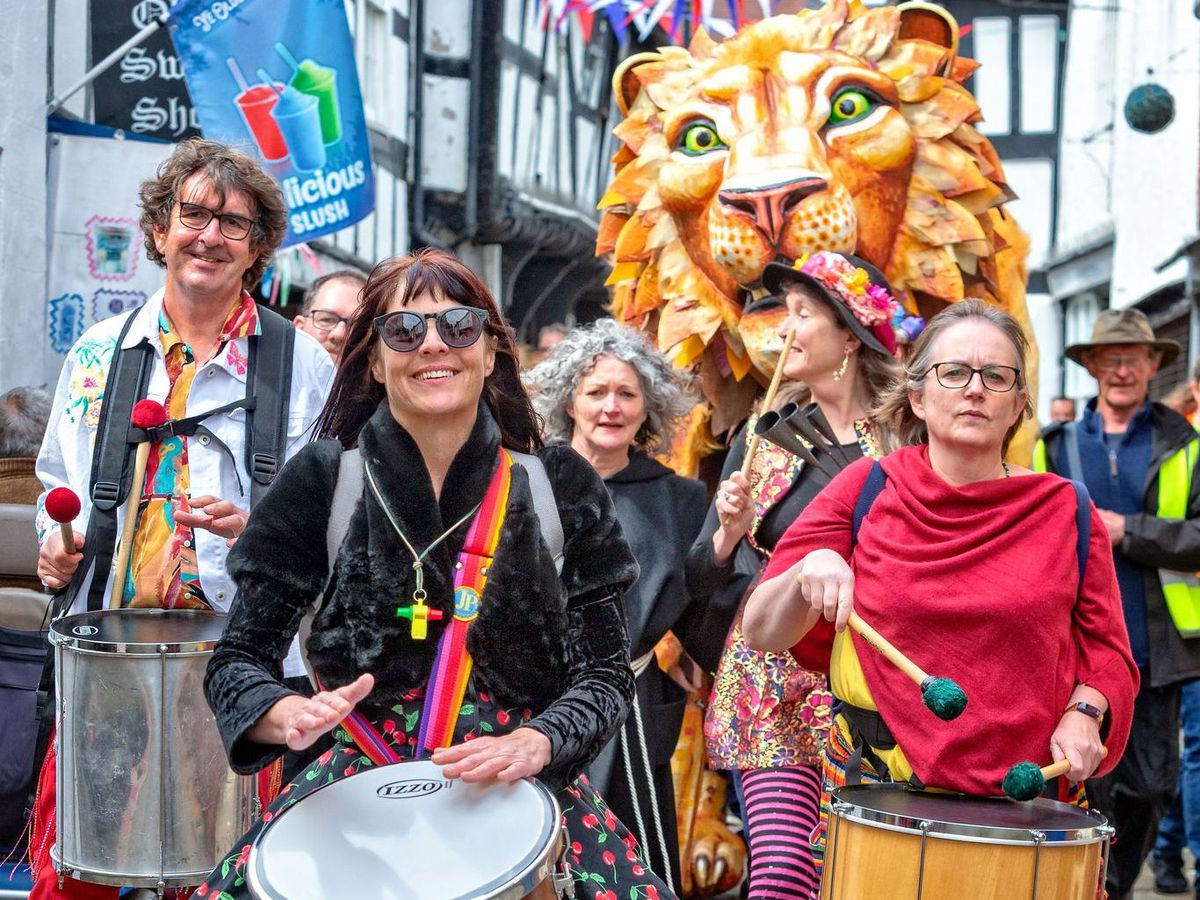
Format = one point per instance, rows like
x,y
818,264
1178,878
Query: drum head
x,y
403,831
897,806
139,631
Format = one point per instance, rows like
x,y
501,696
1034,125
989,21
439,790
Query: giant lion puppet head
x,y
842,128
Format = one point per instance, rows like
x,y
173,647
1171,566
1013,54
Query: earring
x,y
840,372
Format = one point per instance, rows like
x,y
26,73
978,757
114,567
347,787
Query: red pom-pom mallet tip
x,y
62,504
148,414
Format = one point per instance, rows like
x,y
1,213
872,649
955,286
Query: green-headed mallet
x,y
1026,780
944,698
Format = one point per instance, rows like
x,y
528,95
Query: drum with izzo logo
x,y
403,831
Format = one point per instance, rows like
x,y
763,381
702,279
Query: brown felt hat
x,y
1123,326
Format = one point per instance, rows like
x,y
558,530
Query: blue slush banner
x,y
277,78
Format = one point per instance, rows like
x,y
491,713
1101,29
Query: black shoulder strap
x,y
127,382
871,489
270,383
1083,529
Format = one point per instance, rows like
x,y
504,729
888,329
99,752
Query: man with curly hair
x,y
212,218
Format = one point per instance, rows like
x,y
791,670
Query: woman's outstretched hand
x,y
519,754
827,583
298,721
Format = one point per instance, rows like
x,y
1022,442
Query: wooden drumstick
x,y
943,697
62,505
146,414
769,397
1027,780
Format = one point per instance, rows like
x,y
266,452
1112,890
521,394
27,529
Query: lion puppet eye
x,y
698,138
851,104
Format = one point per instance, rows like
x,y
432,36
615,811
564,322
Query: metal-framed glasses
x,y
327,319
955,376
458,327
1116,363
197,217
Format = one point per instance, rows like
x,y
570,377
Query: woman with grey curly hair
x,y
554,383
616,399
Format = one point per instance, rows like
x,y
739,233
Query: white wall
x,y
1086,143
1141,187
1154,186
22,190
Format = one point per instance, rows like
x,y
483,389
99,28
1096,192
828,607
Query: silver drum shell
x,y
146,797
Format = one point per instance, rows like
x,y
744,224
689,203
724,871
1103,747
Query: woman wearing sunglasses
x,y
971,567
445,557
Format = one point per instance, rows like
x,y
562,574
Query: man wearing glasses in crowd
x,y
328,307
1138,460
212,219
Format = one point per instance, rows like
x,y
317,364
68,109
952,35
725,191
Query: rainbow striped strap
x,y
452,664
369,740
366,736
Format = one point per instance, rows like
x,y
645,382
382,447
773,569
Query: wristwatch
x,y
1087,709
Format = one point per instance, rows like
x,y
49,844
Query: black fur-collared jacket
x,y
556,644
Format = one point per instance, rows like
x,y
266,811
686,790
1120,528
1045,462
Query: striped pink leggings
x,y
782,807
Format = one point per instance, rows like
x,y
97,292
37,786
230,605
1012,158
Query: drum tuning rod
x,y
769,397
942,696
1026,781
146,414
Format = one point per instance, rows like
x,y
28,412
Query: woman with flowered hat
x,y
768,715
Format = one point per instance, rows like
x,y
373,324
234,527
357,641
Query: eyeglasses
x,y
197,217
458,327
1115,363
956,376
327,319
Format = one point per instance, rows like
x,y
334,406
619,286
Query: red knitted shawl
x,y
975,583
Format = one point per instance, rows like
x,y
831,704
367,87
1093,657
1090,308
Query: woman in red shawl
x,y
967,564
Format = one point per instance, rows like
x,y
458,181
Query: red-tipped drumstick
x,y
62,505
146,414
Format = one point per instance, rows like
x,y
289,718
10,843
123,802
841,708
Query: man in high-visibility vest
x,y
1180,826
1138,460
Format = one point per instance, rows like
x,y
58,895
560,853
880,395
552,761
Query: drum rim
x,y
850,811
87,644
110,877
537,867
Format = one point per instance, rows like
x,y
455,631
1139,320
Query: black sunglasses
x,y
458,327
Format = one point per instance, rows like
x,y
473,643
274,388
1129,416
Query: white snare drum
x,y
403,831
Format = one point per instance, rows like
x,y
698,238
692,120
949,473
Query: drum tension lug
x,y
560,875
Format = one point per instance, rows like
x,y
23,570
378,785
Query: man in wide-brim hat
x,y
1138,460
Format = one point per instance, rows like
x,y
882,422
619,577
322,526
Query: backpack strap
x,y
1070,433
269,382
871,490
127,382
543,504
1083,528
346,491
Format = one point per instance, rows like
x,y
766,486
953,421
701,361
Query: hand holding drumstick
x,y
827,583
735,509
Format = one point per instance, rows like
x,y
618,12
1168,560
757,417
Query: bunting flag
x,y
677,19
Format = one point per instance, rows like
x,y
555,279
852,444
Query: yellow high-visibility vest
x,y
1181,590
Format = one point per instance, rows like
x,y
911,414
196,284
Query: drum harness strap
x,y
640,665
268,385
868,730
